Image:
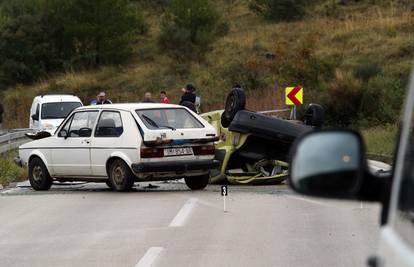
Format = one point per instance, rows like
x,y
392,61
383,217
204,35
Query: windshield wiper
x,y
153,123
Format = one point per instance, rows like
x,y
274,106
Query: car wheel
x,y
314,115
235,101
108,183
120,176
197,182
39,177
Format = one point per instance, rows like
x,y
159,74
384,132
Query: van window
x,y
109,125
404,221
58,110
161,118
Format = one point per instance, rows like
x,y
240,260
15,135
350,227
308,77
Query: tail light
x,y
151,152
204,150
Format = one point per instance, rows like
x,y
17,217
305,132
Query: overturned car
x,y
253,146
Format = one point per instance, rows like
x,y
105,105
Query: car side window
x,y
404,220
109,124
82,120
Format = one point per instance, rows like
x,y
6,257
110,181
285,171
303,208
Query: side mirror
x,y
35,117
63,133
85,132
328,164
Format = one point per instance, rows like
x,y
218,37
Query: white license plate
x,y
178,151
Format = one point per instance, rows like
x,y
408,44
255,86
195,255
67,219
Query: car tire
x,y
235,101
121,177
314,116
39,176
108,183
197,182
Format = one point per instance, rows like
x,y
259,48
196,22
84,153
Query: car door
x,y
397,237
108,139
71,155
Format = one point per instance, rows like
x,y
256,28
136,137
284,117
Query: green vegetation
x,y
353,57
43,36
10,172
279,10
189,27
381,140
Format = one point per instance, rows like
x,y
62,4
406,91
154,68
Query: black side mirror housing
x,y
35,117
63,133
328,164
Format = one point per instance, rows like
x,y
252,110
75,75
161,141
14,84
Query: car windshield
x,y
58,110
172,118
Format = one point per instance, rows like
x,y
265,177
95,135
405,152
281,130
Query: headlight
x,y
47,126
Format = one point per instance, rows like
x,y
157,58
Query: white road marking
x,y
150,256
183,214
310,201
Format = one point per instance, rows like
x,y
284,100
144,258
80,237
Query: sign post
x,y
294,97
224,193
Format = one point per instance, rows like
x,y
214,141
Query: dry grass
x,y
381,140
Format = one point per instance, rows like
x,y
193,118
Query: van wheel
x,y
235,101
197,182
120,176
39,177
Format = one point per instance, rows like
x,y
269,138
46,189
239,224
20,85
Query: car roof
x,y
57,98
130,106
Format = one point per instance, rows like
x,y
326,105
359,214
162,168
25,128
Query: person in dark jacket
x,y
189,94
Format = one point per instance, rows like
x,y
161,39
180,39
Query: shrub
x,y
279,10
189,27
367,70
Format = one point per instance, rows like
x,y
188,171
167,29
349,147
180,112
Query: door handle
x,y
87,141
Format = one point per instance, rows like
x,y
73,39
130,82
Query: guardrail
x,y
13,139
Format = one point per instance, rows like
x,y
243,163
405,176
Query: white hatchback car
x,y
122,143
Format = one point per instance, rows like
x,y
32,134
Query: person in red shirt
x,y
164,99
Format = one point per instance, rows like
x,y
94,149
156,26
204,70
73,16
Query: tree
x,y
189,27
98,32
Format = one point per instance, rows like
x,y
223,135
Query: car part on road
x,y
38,175
235,101
121,177
197,182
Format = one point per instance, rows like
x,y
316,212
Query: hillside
x,y
353,59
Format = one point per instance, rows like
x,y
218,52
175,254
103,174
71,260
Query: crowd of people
x,y
188,99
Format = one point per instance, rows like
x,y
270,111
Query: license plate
x,y
178,151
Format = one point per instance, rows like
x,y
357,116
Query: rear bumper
x,y
181,166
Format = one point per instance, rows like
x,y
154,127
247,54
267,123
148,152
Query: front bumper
x,y
177,166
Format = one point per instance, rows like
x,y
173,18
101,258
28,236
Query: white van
x,y
332,164
48,111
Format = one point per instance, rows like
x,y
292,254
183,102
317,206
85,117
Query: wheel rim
x,y
38,174
118,175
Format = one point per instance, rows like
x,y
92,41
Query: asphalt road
x,y
88,225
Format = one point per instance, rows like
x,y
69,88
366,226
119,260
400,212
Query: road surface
x,y
89,225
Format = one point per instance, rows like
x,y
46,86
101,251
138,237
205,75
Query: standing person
x,y
148,98
1,116
188,99
101,99
189,94
163,98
